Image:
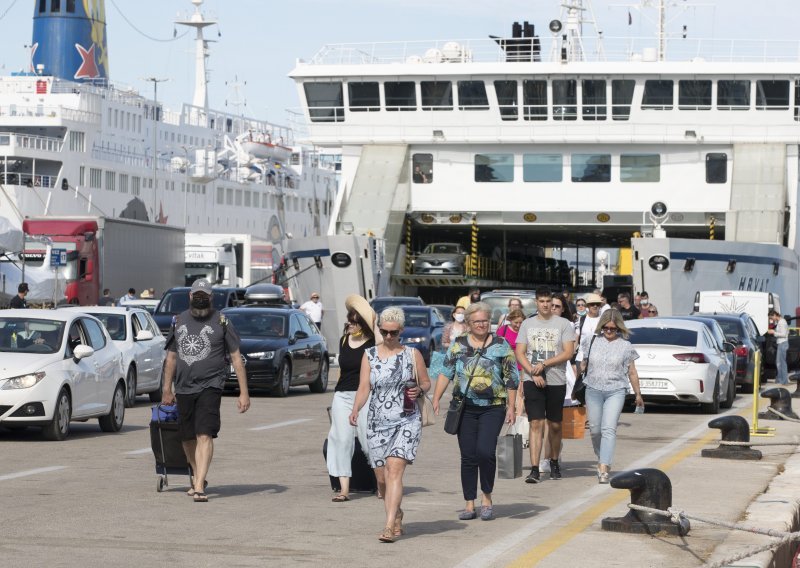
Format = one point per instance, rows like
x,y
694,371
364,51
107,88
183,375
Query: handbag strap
x,y
414,371
588,354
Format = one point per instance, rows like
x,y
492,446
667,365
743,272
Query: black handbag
x,y
452,422
579,389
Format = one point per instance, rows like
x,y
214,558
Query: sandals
x,y
340,498
200,497
190,493
387,535
398,523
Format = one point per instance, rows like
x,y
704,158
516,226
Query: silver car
x,y
441,258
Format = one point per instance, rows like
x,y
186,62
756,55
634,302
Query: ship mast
x,y
199,23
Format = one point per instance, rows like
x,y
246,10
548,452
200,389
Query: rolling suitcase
x,y
167,447
363,479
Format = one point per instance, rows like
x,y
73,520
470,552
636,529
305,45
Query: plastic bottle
x,y
409,403
639,410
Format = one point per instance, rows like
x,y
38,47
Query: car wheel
x,y
130,388
731,394
321,384
58,429
112,422
284,379
713,406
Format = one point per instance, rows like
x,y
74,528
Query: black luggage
x,y
363,479
168,451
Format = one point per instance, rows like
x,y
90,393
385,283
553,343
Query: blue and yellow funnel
x,y
69,40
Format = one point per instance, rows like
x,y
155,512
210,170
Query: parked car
x,y
149,305
57,366
281,348
446,310
441,258
423,330
380,303
176,300
498,301
679,362
136,335
740,329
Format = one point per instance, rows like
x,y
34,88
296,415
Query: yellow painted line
x,y
536,554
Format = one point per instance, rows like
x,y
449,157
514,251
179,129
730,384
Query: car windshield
x,y
499,305
416,318
663,336
731,328
28,335
259,325
114,324
442,248
177,301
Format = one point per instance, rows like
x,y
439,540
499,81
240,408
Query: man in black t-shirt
x,y
626,309
18,301
197,346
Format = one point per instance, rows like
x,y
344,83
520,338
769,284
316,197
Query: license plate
x,y
436,271
653,384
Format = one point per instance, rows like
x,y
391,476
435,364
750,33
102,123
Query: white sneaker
x,y
545,465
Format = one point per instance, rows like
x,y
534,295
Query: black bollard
x,y
780,400
734,429
649,488
795,376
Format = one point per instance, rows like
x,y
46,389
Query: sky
x,y
261,39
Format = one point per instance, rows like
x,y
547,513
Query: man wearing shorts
x,y
545,343
197,347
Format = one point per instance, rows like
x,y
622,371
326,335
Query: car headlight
x,y
415,339
24,381
263,355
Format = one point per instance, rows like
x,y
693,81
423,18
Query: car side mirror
x,y
82,352
300,335
728,346
438,323
144,335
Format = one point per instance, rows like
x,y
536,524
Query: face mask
x,y
645,301
459,318
582,311
201,301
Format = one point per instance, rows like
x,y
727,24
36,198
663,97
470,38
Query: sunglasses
x,y
389,332
593,305
607,329
652,312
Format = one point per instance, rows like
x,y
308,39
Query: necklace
x,y
357,334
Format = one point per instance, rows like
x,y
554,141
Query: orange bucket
x,y
573,426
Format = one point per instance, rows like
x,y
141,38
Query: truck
x,y
228,259
755,304
73,259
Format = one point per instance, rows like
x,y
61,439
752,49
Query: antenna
x,y
199,23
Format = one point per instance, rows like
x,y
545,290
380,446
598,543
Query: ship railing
x,y
131,158
539,270
31,142
42,111
27,179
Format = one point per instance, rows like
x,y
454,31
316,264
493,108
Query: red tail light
x,y
691,357
740,351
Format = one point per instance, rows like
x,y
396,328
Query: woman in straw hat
x,y
359,335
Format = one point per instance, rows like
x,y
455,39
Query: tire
x,y
731,394
155,396
321,384
112,422
58,429
284,379
713,406
130,387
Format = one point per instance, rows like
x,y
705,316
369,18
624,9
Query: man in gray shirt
x,y
197,346
545,344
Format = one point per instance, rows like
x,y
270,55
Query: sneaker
x,y
544,467
487,513
467,515
555,470
603,477
533,476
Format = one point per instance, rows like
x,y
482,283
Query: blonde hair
x,y
393,314
613,315
515,314
475,308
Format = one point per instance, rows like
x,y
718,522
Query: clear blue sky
x,y
262,38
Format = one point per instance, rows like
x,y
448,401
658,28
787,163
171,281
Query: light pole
x,y
186,188
155,82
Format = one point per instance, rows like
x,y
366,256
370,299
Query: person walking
x,y
588,322
106,299
545,345
626,309
359,336
394,421
454,328
780,332
314,309
196,348
129,297
484,371
610,368
513,304
18,302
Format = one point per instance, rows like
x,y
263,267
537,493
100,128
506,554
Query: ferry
x,y
72,143
545,149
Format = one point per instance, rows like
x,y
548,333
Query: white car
x,y
679,361
147,304
136,335
57,366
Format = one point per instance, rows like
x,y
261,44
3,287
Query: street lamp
x,y
186,187
155,82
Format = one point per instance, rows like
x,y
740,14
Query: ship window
x,y
657,95
82,175
247,199
70,6
55,6
507,99
136,181
472,95
423,168
95,178
364,96
534,100
591,167
644,168
772,95
565,99
220,196
110,178
436,95
694,95
716,168
494,167
238,197
594,99
123,183
621,98
400,95
5,140
733,95
42,6
228,127
797,100
542,167
325,102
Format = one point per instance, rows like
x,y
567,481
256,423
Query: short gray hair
x,y
393,314
475,308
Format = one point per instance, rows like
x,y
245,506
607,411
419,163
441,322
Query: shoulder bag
x,y
424,402
579,390
452,422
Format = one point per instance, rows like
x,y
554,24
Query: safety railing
x,y
31,142
485,268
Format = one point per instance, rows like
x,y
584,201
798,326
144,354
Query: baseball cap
x,y
201,285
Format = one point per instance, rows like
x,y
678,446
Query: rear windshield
x,y
259,324
114,324
380,305
730,328
442,248
499,305
178,301
416,318
24,335
663,336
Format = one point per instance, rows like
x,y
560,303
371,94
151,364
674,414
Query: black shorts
x,y
547,402
199,413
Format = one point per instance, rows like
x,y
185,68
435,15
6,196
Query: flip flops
x,y
340,498
200,497
191,492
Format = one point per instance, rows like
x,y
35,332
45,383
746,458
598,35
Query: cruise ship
x,y
543,149
72,143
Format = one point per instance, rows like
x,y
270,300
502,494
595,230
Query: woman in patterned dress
x,y
392,434
610,359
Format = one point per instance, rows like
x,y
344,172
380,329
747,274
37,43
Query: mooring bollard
x,y
649,488
734,429
795,376
780,400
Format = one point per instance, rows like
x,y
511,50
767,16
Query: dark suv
x,y
382,302
741,330
176,300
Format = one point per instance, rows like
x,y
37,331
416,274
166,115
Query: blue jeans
x,y
780,363
604,408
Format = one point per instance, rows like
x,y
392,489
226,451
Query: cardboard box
x,y
573,427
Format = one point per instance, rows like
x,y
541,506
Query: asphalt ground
x,y
92,500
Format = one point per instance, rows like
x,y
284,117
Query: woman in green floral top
x,y
490,362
